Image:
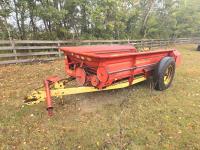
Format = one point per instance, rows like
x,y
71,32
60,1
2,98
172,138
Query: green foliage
x,y
99,19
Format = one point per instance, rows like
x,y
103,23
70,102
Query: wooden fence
x,y
30,51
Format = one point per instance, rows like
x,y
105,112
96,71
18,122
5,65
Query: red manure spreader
x,y
107,67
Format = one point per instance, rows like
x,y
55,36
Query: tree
x,y
5,11
99,19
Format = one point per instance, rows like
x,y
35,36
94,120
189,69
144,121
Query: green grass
x,y
131,118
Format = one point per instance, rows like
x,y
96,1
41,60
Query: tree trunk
x,y
17,18
32,5
23,23
146,17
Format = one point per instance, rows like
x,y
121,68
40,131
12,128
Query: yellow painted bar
x,y
78,90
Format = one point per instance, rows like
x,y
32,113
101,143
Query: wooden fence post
x,y
59,50
160,43
142,44
13,49
168,43
165,44
151,46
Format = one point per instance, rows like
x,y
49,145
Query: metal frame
x,y
101,68
54,87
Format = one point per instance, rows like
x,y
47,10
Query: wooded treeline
x,y
98,19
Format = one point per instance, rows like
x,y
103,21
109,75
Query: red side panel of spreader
x,y
101,66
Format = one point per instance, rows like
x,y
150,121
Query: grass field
x,y
131,118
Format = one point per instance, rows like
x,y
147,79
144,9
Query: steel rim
x,y
168,75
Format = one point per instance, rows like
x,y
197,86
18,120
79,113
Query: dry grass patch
x,y
132,118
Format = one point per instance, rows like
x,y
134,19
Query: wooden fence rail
x,y
32,50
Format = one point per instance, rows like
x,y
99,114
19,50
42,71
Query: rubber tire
x,y
160,72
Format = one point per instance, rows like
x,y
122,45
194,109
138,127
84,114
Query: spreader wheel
x,y
164,73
